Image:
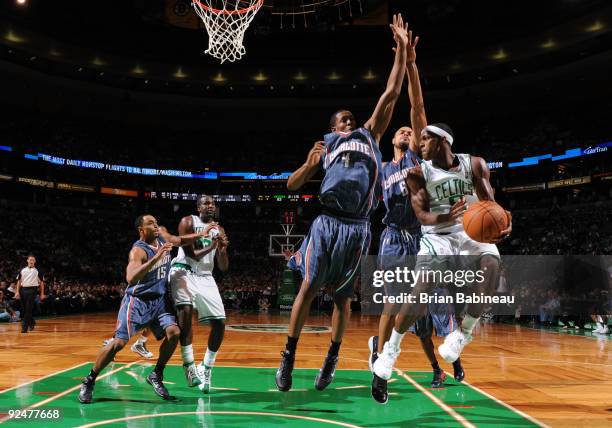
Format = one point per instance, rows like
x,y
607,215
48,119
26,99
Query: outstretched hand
x,y
411,47
400,31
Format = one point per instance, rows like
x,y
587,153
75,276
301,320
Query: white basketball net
x,y
225,22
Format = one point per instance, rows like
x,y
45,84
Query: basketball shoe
x,y
192,375
459,374
438,378
383,366
141,349
453,345
327,372
283,374
205,374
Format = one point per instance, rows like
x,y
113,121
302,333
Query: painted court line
x,y
41,378
274,415
506,405
461,419
352,387
69,390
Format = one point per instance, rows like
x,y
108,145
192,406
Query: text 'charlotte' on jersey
x,y
155,282
353,173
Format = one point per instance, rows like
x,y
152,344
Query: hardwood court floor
x,y
558,379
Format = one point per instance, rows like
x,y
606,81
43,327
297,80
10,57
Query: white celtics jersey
x,y
206,264
445,188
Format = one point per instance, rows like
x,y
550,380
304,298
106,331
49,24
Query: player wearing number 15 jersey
x,y
145,303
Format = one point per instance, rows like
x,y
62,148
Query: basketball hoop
x,y
226,22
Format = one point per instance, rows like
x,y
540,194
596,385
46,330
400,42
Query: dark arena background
x,y
111,110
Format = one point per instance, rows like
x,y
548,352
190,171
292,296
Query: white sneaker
x,y
383,367
206,375
599,329
141,350
453,344
192,375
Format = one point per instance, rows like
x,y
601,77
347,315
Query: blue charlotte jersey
x,y
353,172
396,195
155,283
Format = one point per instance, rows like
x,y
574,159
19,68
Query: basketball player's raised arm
x,y
378,123
183,239
481,178
138,265
420,201
418,119
304,173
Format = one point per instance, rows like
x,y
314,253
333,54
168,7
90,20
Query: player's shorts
x,y
440,316
135,314
331,253
454,244
197,290
396,245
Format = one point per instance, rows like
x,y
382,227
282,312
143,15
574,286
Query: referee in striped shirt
x,y
28,281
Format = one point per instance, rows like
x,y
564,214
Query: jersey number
x,y
161,272
403,188
346,158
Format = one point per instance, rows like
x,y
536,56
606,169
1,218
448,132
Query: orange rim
x,y
255,5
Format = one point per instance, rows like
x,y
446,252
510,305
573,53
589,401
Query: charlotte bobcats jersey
x,y
206,264
155,283
353,173
395,193
447,187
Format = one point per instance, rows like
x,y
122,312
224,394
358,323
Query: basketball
x,y
484,221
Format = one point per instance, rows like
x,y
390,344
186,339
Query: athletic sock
x,y
141,340
93,375
209,358
187,354
334,347
396,339
468,324
159,369
436,366
291,344
457,362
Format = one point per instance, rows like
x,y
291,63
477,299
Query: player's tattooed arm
x,y
184,238
304,173
420,201
418,119
481,178
378,123
138,265
221,255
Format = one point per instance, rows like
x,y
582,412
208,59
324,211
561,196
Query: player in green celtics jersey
x,y
440,189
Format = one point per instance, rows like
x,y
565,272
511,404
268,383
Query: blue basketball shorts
x,y
135,314
330,255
